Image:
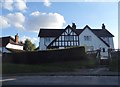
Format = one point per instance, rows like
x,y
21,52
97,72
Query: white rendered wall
x,y
43,45
109,40
13,46
95,41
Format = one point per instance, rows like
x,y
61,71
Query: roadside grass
x,y
114,65
68,66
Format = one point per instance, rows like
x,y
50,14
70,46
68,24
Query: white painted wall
x,y
13,46
3,49
109,40
43,44
95,41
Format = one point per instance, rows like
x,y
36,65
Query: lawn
x,y
8,68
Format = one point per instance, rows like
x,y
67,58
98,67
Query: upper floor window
x,y
47,39
87,38
69,37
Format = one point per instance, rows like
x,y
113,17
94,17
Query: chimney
x,y
103,26
73,26
16,38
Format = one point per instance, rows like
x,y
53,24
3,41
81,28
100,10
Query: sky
x,y
26,17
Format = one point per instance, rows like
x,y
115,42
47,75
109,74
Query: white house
x,y
92,39
8,44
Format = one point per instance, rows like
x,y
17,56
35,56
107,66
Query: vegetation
x,y
29,46
114,62
47,67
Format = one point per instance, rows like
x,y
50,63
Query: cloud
x,y
4,22
12,19
47,3
39,20
17,20
20,5
33,22
14,4
33,40
8,4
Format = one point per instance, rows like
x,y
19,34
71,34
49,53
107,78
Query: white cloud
x,y
17,20
20,5
47,3
39,20
8,4
3,22
33,40
33,22
14,4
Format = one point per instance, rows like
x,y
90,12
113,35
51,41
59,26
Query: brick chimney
x,y
16,38
73,26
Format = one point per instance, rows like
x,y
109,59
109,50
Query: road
x,y
60,80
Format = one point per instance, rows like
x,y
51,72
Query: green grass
x,y
8,68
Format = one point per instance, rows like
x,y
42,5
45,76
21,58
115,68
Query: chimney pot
x,y
73,26
103,26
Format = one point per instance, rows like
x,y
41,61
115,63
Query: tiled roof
x,y
5,40
57,32
50,32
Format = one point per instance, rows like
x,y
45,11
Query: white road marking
x,y
3,80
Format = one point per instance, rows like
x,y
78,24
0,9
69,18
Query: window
x,y
87,38
47,39
103,49
68,38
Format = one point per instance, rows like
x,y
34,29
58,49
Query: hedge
x,y
38,57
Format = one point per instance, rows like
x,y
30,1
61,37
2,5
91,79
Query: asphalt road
x,y
60,80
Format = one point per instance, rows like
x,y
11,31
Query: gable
x,y
67,38
88,32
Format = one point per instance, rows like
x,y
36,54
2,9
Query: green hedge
x,y
38,57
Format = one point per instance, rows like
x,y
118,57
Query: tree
x,y
29,46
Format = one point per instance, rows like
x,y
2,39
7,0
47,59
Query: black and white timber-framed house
x,y
92,39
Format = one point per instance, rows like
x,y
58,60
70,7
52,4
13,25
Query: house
x,y
92,39
9,44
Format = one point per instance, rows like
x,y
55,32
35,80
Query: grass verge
x,y
8,68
